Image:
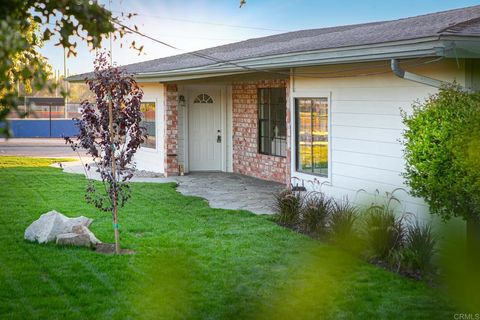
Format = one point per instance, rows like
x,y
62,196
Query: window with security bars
x,y
312,135
272,121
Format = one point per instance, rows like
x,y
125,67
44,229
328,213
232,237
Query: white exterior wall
x,y
365,128
147,158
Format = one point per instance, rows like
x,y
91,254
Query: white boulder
x,y
52,224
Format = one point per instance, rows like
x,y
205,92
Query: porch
x,y
228,124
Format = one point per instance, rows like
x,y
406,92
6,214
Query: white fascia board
x,y
143,79
403,49
467,47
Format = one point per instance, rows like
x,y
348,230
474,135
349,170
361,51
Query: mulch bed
x,y
109,248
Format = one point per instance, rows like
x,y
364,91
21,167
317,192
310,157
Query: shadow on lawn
x,y
163,287
171,285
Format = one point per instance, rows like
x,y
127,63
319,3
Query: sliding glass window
x,y
312,135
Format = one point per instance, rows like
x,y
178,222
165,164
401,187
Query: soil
x,y
109,248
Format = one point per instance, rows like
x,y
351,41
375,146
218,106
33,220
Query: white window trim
x,y
259,126
150,149
293,138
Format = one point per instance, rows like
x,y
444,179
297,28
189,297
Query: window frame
x,y
296,172
143,145
260,120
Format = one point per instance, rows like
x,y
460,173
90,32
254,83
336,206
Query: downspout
x,y
399,72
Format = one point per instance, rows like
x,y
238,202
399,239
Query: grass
x,y
191,261
13,162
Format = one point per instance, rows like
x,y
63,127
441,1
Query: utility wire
x,y
206,22
194,37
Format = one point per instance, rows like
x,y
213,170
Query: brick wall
x,y
171,130
246,159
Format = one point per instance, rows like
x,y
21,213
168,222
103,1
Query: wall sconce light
x,y
181,100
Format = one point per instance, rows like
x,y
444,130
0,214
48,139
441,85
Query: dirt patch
x,y
109,248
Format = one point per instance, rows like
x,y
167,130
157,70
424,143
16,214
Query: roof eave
x,y
441,46
402,49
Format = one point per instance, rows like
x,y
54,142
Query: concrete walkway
x,y
221,190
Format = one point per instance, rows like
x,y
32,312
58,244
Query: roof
x,y
464,22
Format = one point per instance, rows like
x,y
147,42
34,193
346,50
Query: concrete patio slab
x,y
221,190
231,191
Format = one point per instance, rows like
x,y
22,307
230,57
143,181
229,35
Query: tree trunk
x,y
473,242
115,227
114,176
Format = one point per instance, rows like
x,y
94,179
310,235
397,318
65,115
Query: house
x,y
312,107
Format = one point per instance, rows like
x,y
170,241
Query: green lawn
x,y
191,261
13,162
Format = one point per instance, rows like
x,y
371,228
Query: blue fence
x,y
45,128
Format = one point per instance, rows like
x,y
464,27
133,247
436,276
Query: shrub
x,y
342,220
442,152
315,214
287,208
419,248
384,232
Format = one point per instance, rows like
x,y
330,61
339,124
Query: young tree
x,y
110,132
442,153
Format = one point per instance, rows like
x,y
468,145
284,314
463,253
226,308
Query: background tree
x,y
442,153
26,24
110,132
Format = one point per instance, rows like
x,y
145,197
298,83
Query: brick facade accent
x,y
171,130
246,159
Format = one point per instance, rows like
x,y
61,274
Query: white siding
x,y
146,158
366,127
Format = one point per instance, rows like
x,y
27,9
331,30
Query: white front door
x,y
205,130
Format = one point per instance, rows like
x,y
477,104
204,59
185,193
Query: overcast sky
x,y
193,25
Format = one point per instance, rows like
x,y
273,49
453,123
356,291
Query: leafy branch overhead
x,y
26,25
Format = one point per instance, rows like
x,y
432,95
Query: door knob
x,y
219,137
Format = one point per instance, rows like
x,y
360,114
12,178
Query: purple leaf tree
x,y
111,132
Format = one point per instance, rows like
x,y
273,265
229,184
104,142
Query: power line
x,y
194,53
195,37
206,22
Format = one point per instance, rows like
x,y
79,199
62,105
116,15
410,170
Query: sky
x,y
197,24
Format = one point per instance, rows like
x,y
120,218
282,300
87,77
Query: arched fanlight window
x,y
203,98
